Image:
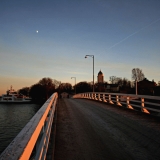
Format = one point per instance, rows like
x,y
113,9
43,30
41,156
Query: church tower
x,y
100,77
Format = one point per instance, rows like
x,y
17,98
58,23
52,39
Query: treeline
x,y
42,90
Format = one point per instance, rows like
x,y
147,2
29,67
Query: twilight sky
x,y
121,34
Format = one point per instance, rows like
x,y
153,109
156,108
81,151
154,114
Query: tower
x,y
100,77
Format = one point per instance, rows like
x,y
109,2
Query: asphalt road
x,y
91,130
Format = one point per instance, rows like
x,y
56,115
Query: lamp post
x,y
93,67
75,83
136,86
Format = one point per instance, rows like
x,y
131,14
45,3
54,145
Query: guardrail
x,y
143,103
32,142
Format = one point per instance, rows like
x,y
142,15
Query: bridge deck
x,y
95,131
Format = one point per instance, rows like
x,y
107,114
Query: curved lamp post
x,y
93,67
75,83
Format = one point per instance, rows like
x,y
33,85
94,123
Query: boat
x,y
13,96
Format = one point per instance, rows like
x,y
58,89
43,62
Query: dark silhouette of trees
x,y
41,91
24,91
65,87
112,79
37,93
83,87
124,85
48,86
137,74
123,82
56,83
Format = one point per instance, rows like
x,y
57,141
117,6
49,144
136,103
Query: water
x,y
13,117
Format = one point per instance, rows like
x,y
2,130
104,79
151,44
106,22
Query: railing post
x,y
104,99
99,97
95,96
110,100
117,101
143,109
92,95
128,103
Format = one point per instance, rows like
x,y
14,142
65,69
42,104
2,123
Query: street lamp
x,y
93,67
75,83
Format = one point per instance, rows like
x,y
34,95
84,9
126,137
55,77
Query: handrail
x,y
143,103
33,139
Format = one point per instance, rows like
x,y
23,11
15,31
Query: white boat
x,y
12,96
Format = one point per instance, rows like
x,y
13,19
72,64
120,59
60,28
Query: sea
x,y
13,117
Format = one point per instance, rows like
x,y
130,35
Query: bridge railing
x,y
32,142
143,103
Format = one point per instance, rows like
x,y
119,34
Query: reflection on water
x,y
13,117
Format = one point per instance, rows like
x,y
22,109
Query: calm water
x,y
13,117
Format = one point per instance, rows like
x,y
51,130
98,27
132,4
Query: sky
x,y
50,38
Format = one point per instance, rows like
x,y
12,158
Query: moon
x,y
37,31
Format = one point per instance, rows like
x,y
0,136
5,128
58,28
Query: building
x,y
100,77
112,88
146,87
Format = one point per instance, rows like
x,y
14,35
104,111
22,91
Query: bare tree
x,y
123,82
112,79
137,74
56,83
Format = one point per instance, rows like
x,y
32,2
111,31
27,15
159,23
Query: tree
x,y
83,87
65,87
41,91
56,83
48,85
137,74
112,79
24,91
123,82
37,93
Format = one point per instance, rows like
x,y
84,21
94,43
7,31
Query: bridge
x,y
91,126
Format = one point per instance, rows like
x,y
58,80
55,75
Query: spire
x,y
100,72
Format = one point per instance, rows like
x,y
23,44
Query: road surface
x,y
91,130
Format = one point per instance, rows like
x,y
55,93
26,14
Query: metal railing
x,y
143,103
32,142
